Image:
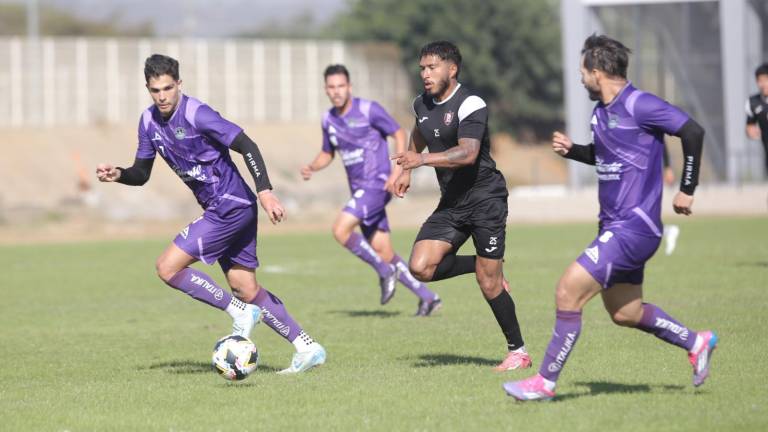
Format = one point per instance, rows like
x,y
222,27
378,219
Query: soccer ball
x,y
235,357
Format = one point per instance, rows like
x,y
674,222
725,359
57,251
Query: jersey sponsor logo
x,y
556,365
677,329
421,120
217,292
437,133
180,133
607,172
593,254
448,118
352,157
281,327
157,137
606,236
194,173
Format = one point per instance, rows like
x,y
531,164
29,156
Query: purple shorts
x,y
229,238
618,256
369,205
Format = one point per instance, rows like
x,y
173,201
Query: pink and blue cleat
x,y
530,389
701,358
518,359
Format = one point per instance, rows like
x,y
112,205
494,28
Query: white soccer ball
x,y
235,357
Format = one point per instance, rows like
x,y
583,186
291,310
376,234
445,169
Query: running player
x,y
357,129
195,141
628,127
452,122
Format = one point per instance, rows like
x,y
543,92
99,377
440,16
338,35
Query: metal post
x,y
732,37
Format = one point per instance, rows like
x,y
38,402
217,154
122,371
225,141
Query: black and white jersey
x,y
757,112
461,115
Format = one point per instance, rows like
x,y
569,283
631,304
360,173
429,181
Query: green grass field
x,y
93,341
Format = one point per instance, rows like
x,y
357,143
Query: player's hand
x,y
408,159
669,176
389,186
753,131
402,184
107,173
561,144
272,206
682,203
306,172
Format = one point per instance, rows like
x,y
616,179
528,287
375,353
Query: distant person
x,y
628,127
757,111
452,122
195,142
357,129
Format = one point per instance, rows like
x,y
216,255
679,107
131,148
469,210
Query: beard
x,y
594,95
439,88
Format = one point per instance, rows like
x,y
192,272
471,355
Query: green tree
x,y
57,22
511,50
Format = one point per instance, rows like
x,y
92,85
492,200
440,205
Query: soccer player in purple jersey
x,y
628,127
357,129
195,141
451,121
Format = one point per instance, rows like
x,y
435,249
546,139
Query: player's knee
x,y
625,318
165,271
340,234
421,270
489,285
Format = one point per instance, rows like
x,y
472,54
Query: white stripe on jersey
x,y
750,114
470,105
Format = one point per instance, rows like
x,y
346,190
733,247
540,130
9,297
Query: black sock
x,y
454,265
504,310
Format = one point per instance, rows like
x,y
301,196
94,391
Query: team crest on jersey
x,y
613,121
180,133
448,118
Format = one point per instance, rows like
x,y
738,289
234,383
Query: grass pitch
x,y
93,341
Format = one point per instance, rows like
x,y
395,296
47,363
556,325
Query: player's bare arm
x,y
465,153
322,160
415,147
400,140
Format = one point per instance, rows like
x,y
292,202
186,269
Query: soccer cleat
x,y
701,358
427,307
670,235
302,361
529,389
514,360
243,324
387,285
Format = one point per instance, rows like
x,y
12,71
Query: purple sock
x,y
406,278
666,328
200,286
275,315
363,250
564,336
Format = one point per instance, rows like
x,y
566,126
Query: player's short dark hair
x,y
445,50
158,64
606,54
336,69
761,70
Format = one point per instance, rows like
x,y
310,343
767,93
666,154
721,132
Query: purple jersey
x,y
195,143
360,137
629,140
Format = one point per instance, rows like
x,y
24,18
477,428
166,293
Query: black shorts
x,y
486,222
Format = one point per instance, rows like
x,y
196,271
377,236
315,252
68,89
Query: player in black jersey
x,y
452,123
757,111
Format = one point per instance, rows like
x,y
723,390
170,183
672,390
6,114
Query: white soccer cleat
x,y
302,361
671,232
243,324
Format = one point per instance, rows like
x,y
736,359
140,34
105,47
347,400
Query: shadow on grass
x,y
595,388
753,264
183,367
431,360
376,313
